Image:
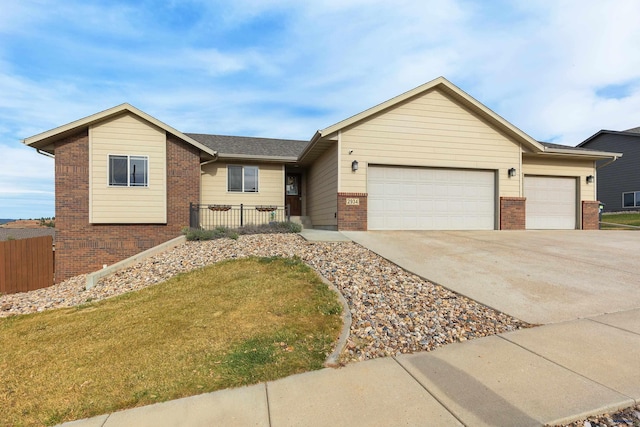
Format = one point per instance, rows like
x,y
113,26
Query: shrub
x,y
47,222
222,232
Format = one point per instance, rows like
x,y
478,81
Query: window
x,y
128,171
631,199
242,179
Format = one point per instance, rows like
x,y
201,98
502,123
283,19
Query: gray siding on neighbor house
x,y
621,176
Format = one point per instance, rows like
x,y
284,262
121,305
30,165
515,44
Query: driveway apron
x,y
537,276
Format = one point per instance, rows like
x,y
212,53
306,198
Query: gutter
x,y
581,153
215,159
44,153
258,157
609,162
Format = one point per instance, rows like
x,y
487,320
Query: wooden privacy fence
x,y
26,264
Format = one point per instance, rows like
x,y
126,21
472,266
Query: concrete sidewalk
x,y
546,375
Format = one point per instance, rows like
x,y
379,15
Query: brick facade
x,y
352,216
590,215
513,213
82,247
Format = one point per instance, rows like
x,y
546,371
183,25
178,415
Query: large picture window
x,y
631,199
242,179
128,171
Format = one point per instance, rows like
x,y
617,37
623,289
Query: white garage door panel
x,y
404,198
551,203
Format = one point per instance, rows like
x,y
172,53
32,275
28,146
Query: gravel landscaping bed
x,y
625,417
393,311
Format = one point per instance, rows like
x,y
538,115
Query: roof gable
x,y
595,136
319,141
44,141
323,138
454,92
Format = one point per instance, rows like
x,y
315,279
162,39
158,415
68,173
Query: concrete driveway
x,y
537,276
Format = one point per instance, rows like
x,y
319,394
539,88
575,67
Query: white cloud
x,y
284,68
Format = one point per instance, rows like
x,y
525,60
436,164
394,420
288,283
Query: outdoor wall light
x,y
511,172
354,165
589,179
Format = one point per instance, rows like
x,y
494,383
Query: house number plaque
x,y
353,202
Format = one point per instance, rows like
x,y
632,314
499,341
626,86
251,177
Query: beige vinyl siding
x,y
556,166
429,130
127,135
270,185
322,185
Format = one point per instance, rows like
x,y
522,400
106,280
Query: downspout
x,y
215,159
44,153
608,163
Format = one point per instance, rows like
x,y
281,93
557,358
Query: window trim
x,y
129,158
244,190
636,199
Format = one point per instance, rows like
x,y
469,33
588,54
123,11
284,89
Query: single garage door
x,y
551,203
411,198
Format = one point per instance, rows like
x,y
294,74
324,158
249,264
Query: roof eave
x,y
310,145
258,158
47,138
582,154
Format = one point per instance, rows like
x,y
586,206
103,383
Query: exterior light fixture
x,y
589,179
354,165
511,172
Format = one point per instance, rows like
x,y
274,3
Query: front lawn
x,y
625,219
230,324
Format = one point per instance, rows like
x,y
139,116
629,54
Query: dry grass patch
x,y
230,324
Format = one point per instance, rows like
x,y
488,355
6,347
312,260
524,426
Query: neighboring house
x,y
433,158
618,183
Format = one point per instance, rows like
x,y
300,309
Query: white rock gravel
x,y
393,311
625,417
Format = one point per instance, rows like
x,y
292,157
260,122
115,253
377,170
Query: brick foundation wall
x,y
590,215
352,216
82,247
512,213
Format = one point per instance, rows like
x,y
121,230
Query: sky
x,y
560,70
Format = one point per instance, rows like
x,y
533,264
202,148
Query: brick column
x,y
352,211
512,213
590,215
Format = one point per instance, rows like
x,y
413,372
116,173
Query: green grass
x,y
625,219
231,324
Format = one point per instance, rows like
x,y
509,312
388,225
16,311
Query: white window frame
x,y
244,190
129,158
636,200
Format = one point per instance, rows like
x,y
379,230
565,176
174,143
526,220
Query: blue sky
x,y
559,70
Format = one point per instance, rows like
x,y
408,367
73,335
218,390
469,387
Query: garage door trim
x,y
450,200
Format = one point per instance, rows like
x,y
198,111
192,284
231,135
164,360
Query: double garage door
x,y
410,198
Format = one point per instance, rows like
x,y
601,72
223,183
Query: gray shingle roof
x,y
633,130
26,233
250,146
564,147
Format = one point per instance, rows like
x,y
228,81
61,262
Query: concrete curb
x,y
92,278
332,359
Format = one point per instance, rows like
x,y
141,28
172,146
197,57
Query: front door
x,y
293,193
